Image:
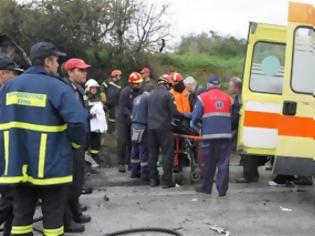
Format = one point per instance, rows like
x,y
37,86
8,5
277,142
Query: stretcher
x,y
186,151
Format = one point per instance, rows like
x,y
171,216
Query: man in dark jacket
x,y
8,70
127,95
139,134
77,72
40,117
161,110
109,92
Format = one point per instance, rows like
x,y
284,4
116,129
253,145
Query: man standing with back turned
x,y
40,118
213,108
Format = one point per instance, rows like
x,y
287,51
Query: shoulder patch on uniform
x,y
26,99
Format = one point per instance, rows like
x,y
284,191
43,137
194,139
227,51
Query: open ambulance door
x,y
262,89
296,130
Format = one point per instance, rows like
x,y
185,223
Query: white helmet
x,y
91,83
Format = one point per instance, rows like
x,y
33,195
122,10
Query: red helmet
x,y
116,73
135,78
174,78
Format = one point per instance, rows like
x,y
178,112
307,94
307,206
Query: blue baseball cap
x,y
7,64
44,49
215,80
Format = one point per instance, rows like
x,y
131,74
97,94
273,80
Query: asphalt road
x,y
248,209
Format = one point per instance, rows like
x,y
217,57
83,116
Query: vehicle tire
x,y
195,176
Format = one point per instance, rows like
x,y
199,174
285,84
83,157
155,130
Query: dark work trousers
x,y
94,145
161,139
6,209
140,157
111,120
74,190
216,153
53,203
123,142
250,167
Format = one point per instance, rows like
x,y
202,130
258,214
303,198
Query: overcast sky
x,y
225,16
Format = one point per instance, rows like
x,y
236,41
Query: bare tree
x,y
150,29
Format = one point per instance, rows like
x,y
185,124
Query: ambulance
x,y
277,116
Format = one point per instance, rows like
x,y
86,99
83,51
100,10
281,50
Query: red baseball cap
x,y
73,63
145,70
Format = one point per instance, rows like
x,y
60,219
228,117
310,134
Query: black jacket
x,y
109,92
235,113
126,98
161,109
77,89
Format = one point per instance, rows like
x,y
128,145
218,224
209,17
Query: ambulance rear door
x,y
295,145
262,89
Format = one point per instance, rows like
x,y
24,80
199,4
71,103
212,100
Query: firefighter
x,y
40,117
213,108
109,93
161,109
139,134
94,138
127,95
8,70
76,70
146,76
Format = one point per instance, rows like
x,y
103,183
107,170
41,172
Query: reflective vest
x,y
216,115
182,100
40,117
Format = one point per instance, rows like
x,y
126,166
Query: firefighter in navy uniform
x,y
8,70
109,93
139,134
126,98
76,69
40,117
213,108
92,98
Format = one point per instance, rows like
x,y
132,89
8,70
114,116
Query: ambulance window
x,y
303,68
267,70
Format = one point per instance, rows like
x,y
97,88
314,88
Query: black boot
x,y
82,219
74,227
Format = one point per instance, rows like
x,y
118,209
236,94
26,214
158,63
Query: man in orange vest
x,y
180,93
181,98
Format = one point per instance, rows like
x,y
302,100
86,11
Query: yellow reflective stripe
x,y
54,232
10,180
24,173
75,146
94,151
42,155
22,229
111,120
26,99
34,181
6,151
33,127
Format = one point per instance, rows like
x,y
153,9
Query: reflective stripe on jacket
x,y
40,118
